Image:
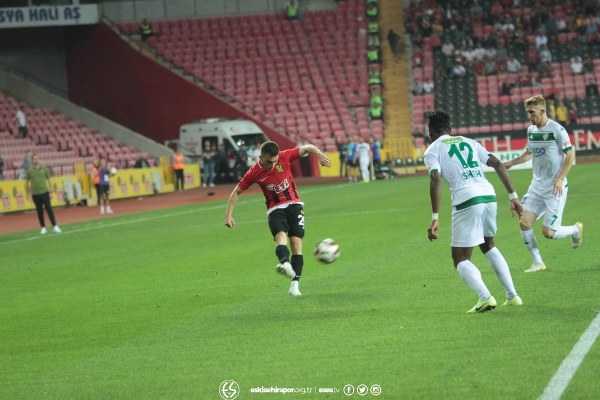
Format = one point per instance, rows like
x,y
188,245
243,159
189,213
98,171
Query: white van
x,y
232,134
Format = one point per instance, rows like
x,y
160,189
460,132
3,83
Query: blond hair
x,y
537,100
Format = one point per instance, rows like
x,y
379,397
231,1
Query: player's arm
x,y
502,172
569,160
312,149
233,198
523,158
435,194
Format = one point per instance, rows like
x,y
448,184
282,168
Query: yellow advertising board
x,y
124,184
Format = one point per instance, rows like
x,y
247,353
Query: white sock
x,y
531,243
472,277
500,267
565,231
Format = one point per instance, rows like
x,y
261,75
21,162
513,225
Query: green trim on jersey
x,y
476,200
541,136
567,149
433,171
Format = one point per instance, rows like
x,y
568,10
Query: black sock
x,y
297,264
283,253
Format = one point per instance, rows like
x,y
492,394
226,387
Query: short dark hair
x,y
439,121
269,148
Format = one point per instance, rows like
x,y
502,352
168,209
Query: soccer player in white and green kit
x,y
552,155
459,161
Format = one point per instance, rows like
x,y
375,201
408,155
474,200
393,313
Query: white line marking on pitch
x,y
561,379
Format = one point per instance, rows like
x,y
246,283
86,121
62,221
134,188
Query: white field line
x,y
103,225
561,379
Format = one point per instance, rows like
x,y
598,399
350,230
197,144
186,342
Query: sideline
x,y
561,379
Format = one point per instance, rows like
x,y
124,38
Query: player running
x,y
552,155
272,172
459,160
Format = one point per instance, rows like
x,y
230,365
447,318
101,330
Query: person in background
x,y
22,122
1,169
145,30
25,164
39,188
96,179
208,164
104,187
178,165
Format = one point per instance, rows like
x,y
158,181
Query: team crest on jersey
x,y
545,136
279,168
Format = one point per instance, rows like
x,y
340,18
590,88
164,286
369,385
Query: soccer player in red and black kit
x,y
273,174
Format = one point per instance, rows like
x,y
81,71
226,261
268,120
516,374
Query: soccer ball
x,y
327,251
113,171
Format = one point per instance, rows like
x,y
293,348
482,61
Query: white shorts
x,y
549,205
472,224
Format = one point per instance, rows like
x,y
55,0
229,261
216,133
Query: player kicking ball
x,y
458,160
285,212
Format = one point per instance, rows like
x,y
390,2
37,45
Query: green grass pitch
x,y
169,304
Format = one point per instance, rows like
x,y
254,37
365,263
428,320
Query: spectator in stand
x,y
490,66
532,58
22,122
540,39
478,67
588,65
524,78
506,88
416,88
291,10
428,86
591,89
417,57
459,71
550,26
393,40
562,113
145,30
573,114
545,70
545,54
448,48
513,65
576,65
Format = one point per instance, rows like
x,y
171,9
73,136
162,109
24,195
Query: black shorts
x,y
289,220
103,189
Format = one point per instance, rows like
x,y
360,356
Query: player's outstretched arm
x,y
528,155
312,149
515,204
567,164
233,198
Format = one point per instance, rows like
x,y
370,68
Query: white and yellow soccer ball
x,y
113,171
327,251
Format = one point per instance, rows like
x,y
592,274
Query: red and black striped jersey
x,y
278,184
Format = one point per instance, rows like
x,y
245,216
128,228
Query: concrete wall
x,y
19,87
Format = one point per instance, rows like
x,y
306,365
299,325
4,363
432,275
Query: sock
x,y
500,267
282,252
472,277
297,264
531,243
565,231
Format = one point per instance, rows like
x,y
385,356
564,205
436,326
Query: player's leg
x,y
39,208
552,228
495,257
48,206
467,232
279,228
296,234
533,206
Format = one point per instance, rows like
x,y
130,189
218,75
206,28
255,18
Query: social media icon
x,y
375,390
348,390
362,389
